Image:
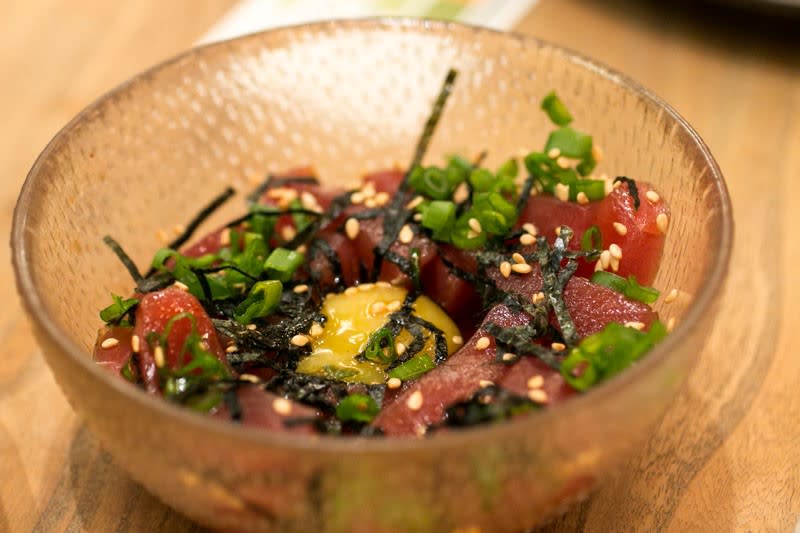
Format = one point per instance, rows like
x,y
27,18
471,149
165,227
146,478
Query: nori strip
x,y
200,217
130,266
488,404
631,189
272,181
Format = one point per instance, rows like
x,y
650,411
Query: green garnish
x,y
114,313
439,217
607,353
556,109
591,239
264,298
629,287
380,347
413,368
357,408
282,263
572,143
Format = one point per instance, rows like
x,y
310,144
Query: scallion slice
x,y
357,408
439,217
556,109
629,287
413,368
592,239
282,263
380,347
263,299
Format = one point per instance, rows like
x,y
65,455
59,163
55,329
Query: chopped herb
x,y
489,404
592,239
115,313
629,287
357,408
556,109
264,298
282,263
413,368
380,347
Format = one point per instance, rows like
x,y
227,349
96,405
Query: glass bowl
x,y
349,97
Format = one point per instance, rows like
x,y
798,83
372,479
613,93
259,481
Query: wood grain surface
x,y
725,458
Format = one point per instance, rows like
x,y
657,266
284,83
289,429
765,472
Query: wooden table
x,y
726,455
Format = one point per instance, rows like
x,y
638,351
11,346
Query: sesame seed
x,y
537,395
635,325
457,339
615,251
382,198
406,234
538,297
300,340
581,198
553,153
394,383
368,190
557,231
249,377
518,258
364,287
598,266
415,401
597,153
605,258
282,406
482,343
530,228
135,343
288,233
371,202
178,229
526,239
309,201
162,236
357,197
561,191
299,289
652,196
400,348
522,268
377,308
475,225
505,269
562,162
180,285
110,342
394,305
671,297
508,356
662,221
535,382
349,291
232,349
158,355
461,193
614,264
316,330
415,202
558,346
671,323
620,228
225,237
383,284
471,234
417,217
351,228
251,327
485,383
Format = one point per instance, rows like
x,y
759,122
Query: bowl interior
x,y
347,98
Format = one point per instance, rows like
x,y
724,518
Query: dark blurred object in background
x,y
774,8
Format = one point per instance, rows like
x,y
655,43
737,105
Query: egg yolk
x,y
351,319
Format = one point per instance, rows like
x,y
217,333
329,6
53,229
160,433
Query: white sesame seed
x,y
299,289
357,197
635,325
162,236
394,305
349,291
561,191
508,356
538,297
662,221
597,153
178,229
535,381
538,395
382,198
671,323
671,297
526,239
518,258
371,202
249,377
316,330
300,340
475,225
471,234
505,269
557,231
605,258
615,251
482,343
562,162
368,190
598,266
377,308
461,193
351,228
522,268
530,228
383,284
282,406
417,217
485,383
110,342
652,196
394,383
288,233
180,285
400,348
232,349
581,198
158,355
415,401
406,234
364,287
415,202
457,339
225,237
135,343
614,264
553,153
620,228
251,327
309,201
558,346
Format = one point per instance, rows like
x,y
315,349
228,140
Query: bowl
x,y
349,97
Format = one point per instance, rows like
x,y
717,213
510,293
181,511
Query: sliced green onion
x,y
357,408
301,220
432,182
593,189
556,109
263,299
508,170
570,142
380,347
629,287
439,217
482,179
608,352
282,263
413,368
114,313
463,235
592,239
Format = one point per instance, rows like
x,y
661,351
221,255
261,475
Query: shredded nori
x,y
631,188
130,266
488,404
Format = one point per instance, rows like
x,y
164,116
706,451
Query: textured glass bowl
x,y
350,97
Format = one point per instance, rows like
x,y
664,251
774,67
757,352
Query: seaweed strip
x,y
130,266
200,217
631,189
272,181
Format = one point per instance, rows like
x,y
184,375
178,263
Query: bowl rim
x,y
615,386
